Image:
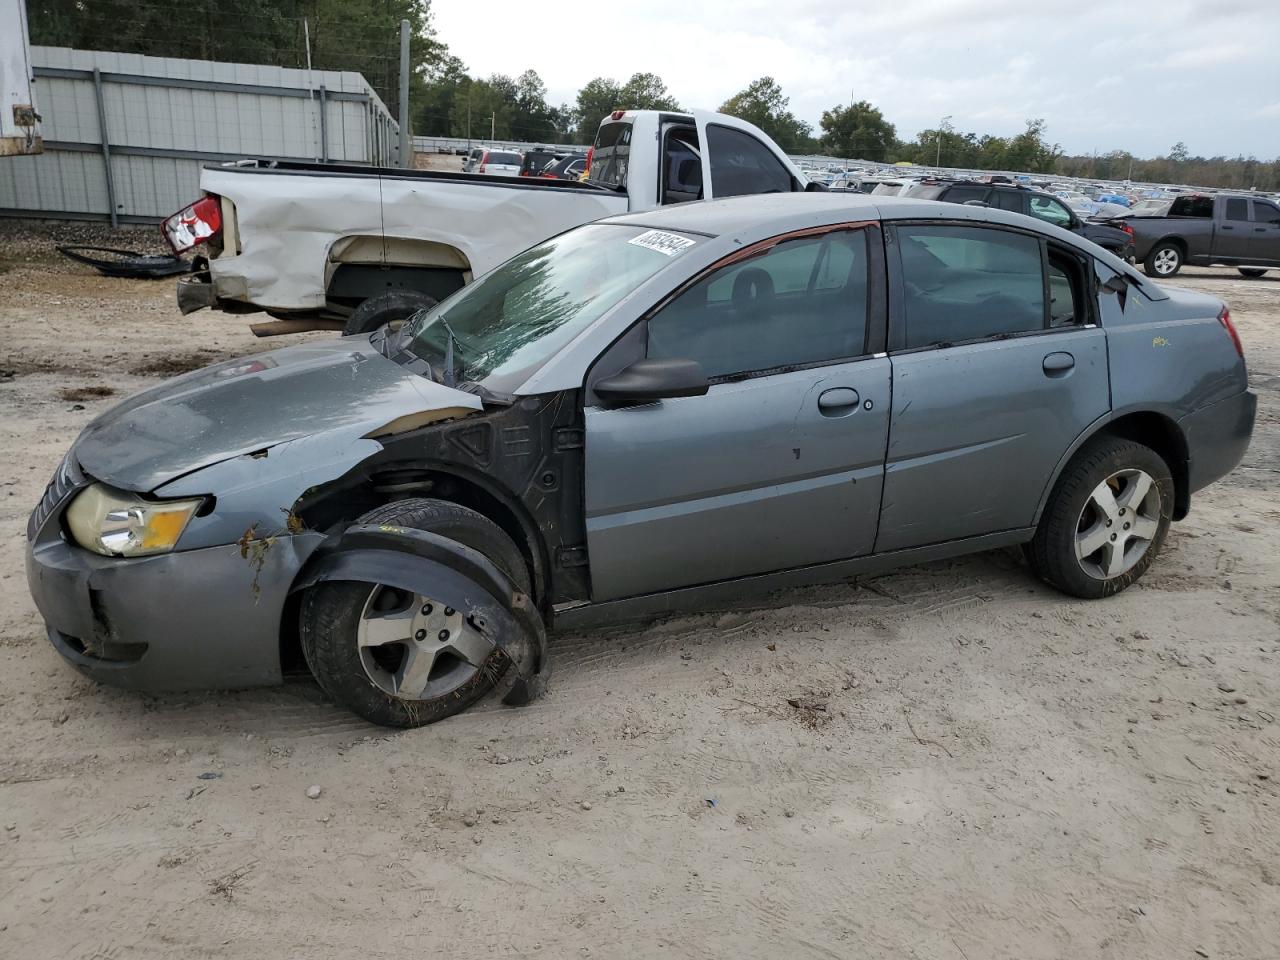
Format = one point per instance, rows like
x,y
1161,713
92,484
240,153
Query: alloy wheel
x,y
416,648
1166,261
1118,523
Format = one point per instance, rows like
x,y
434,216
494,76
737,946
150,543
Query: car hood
x,y
241,406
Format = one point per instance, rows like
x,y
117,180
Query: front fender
x,y
450,573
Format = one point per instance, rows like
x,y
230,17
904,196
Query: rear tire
x,y
362,678
1253,273
1105,521
1163,261
386,308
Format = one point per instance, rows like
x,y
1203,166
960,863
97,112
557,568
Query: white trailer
x,y
19,121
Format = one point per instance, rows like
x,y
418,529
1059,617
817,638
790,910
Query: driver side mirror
x,y
654,379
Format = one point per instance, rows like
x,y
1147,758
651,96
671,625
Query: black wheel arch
x,y
1152,428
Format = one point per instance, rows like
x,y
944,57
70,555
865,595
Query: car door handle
x,y
1259,229
1058,364
838,401
1225,227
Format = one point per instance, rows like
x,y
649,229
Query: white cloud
x,y
1101,80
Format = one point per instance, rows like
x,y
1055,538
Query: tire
x,y
333,614
1253,273
1164,260
1073,518
385,308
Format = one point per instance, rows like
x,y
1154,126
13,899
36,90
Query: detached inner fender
x,y
450,573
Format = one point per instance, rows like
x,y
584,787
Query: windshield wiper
x,y
449,379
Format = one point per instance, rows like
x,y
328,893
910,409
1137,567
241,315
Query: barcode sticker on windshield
x,y
667,244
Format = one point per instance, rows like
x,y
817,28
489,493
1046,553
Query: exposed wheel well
x,y
1163,436
345,504
1172,241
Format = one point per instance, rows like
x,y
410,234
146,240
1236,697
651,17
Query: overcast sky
x,y
1105,74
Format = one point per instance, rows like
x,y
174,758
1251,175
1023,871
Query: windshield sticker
x,y
667,244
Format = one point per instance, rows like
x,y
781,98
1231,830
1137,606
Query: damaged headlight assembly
x,y
115,523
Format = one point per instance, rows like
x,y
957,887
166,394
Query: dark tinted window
x,y
968,283
1237,208
1010,200
1192,207
741,164
805,301
510,159
611,154
964,192
1264,212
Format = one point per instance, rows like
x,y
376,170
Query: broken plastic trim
x,y
450,573
129,264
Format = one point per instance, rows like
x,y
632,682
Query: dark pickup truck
x,y
1201,230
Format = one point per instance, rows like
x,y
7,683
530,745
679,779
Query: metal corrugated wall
x,y
165,118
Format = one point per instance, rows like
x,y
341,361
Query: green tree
x,y
602,95
858,132
763,104
646,91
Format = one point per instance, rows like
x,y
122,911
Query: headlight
x,y
118,524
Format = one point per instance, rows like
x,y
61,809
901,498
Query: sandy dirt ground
x,y
951,761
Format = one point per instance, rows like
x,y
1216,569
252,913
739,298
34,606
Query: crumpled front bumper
x,y
196,619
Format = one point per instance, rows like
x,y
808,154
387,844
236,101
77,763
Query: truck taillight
x,y
1224,318
194,224
591,152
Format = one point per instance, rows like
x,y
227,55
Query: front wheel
x,y
399,658
1253,273
386,308
1164,260
1106,519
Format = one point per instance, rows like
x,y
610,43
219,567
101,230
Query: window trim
x,y
895,287
634,340
667,129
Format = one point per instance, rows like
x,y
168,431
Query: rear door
x,y
998,366
1264,243
1235,230
779,465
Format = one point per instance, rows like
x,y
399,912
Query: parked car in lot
x,y
473,159
321,245
635,417
537,160
1017,198
1203,229
566,168
500,163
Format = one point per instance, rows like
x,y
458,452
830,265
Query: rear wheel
x,y
1251,272
1106,519
399,658
1164,260
386,308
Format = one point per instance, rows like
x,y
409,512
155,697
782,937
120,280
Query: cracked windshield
x,y
531,306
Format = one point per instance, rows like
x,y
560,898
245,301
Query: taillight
x,y
1127,229
1224,318
591,152
194,224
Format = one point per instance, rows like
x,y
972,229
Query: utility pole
x,y
468,121
493,125
942,125
406,149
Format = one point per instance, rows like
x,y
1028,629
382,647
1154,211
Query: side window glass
x,y
1007,200
965,193
1264,212
804,301
1051,211
682,171
741,164
969,283
1067,290
1237,208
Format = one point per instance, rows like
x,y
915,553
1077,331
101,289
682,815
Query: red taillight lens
x,y
591,152
194,224
1127,229
1224,318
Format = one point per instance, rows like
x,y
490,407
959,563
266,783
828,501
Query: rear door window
x,y
1010,200
611,155
962,193
1237,209
969,283
741,164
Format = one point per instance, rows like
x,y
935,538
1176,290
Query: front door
x,y
1264,243
991,384
1235,231
780,464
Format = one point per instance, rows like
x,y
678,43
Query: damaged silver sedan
x,y
641,415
